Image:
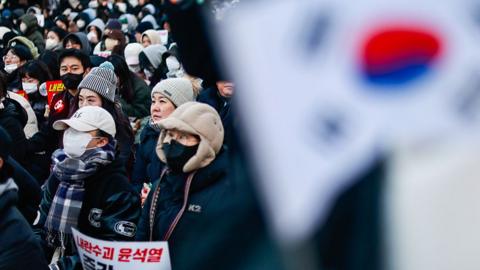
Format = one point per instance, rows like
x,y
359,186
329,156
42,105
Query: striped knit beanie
x,y
177,90
101,80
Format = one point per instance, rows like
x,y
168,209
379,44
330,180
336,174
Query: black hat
x,y
59,31
22,52
7,37
143,26
97,60
5,144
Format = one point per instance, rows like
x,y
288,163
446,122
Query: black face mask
x,y
71,81
178,154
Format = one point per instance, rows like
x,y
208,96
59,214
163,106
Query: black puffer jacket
x,y
109,200
203,226
14,82
13,119
147,167
29,193
38,103
19,248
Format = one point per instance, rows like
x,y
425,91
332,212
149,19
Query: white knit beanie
x,y
101,80
177,90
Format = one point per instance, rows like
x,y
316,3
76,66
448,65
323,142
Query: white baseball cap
x,y
88,118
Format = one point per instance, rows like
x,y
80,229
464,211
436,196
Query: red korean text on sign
x,y
154,254
108,253
140,254
124,255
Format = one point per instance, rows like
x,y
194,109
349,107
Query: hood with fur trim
x,y
201,120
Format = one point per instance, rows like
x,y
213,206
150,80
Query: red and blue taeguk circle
x,y
398,55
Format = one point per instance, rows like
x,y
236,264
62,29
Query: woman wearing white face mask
x,y
54,39
15,57
82,20
103,203
94,31
114,42
33,74
131,52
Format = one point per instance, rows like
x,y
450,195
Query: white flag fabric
x,y
325,86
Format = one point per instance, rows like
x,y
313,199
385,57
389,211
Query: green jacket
x,y
140,106
33,33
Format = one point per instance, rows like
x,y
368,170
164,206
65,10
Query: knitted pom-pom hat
x,y
102,80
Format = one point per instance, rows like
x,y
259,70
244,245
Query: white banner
x,y
109,255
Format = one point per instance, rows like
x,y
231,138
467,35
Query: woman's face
x,y
28,79
146,41
60,24
73,45
226,88
181,137
161,107
11,58
51,35
89,98
110,44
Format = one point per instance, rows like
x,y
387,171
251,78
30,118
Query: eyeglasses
x,y
10,57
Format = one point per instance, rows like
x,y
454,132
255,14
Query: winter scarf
x,y
67,203
154,125
8,185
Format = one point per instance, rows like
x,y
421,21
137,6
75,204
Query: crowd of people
x,y
132,139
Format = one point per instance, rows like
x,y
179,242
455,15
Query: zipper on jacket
x,y
182,210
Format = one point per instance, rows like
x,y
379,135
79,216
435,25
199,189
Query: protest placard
x,y
53,88
111,255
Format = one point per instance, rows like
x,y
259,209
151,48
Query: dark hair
x,y
21,51
101,133
35,69
121,121
125,77
59,32
50,58
96,29
3,85
143,61
159,73
122,124
71,37
64,19
77,54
